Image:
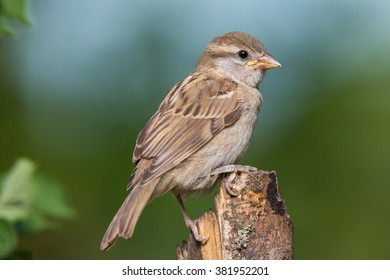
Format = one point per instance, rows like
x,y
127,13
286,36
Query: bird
x,y
199,132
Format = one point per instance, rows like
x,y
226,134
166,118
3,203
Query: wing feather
x,y
194,111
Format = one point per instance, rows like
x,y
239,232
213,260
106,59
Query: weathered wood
x,y
253,225
210,250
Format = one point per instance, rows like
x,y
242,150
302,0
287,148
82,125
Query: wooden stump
x,y
252,225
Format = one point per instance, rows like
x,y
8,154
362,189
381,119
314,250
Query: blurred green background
x,y
76,88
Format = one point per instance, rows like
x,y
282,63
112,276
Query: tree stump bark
x,y
253,225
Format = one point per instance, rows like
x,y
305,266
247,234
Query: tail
x,y
123,224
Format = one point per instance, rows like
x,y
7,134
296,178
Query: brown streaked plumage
x,y
201,129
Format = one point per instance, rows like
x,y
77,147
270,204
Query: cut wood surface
x,y
253,225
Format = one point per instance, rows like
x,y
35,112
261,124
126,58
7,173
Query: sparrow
x,y
200,131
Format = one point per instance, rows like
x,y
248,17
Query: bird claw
x,y
233,170
227,183
192,226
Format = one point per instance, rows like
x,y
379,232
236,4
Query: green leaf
x,y
27,202
15,9
5,28
34,224
8,238
16,193
51,197
12,10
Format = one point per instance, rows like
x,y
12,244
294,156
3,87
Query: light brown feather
x,y
194,111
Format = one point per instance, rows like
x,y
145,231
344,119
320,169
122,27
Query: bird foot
x,y
233,170
190,223
192,226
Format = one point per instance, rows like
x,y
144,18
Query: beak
x,y
265,62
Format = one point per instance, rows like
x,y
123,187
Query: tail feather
x,y
123,224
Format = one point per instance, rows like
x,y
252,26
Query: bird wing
x,y
193,112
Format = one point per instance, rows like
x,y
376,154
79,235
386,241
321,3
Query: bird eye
x,y
243,54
